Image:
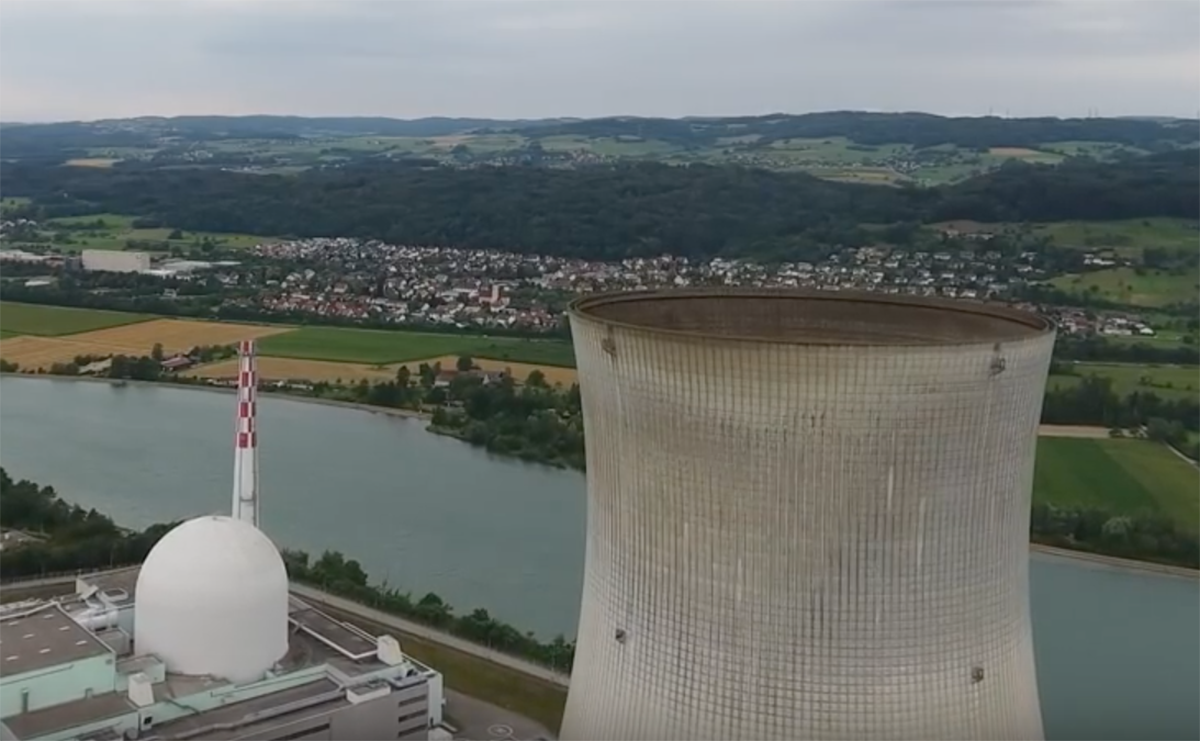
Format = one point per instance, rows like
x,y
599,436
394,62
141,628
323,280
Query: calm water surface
x,y
1118,651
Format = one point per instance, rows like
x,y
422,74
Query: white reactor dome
x,y
212,598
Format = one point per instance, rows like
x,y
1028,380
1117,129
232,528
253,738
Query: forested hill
x,y
604,212
77,139
1166,184
915,129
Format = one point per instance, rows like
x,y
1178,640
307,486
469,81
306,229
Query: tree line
x,y
65,537
605,212
336,574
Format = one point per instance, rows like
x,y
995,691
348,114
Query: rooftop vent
x,y
141,691
388,651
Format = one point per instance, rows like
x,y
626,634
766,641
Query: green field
x,y
52,321
1125,237
11,203
1125,286
381,347
7,333
1167,381
1121,476
115,231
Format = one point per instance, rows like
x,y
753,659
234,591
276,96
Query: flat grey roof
x,y
43,639
201,724
124,580
69,715
345,639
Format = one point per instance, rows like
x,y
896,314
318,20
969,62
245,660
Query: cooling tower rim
x,y
1017,324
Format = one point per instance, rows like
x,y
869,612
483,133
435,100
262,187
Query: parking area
x,y
481,721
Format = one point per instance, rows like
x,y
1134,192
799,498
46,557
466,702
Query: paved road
x,y
481,721
432,635
20,584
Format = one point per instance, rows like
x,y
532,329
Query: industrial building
x,y
808,517
115,261
204,641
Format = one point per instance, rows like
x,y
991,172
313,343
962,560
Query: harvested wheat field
x,y
104,162
292,369
41,352
520,371
175,335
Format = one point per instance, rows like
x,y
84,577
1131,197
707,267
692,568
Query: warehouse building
x,y
115,261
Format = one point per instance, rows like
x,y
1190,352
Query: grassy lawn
x,y
7,333
1167,381
1125,286
51,321
1120,476
478,678
381,346
533,698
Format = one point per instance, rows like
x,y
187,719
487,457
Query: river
x,y
1118,651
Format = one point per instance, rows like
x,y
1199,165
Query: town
x,y
349,281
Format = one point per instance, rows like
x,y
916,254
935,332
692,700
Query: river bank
x,y
371,408
1091,558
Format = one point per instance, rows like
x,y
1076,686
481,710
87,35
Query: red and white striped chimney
x,y
245,454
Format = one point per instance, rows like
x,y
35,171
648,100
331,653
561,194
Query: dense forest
x,y
605,212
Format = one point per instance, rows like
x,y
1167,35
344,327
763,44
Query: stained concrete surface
x,y
481,721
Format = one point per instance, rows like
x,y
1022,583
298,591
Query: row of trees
x,y
1144,537
336,574
1093,401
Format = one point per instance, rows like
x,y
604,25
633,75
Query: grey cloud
x,y
503,58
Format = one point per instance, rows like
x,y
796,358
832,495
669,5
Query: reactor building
x,y
204,641
808,517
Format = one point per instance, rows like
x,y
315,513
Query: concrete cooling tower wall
x,y
808,517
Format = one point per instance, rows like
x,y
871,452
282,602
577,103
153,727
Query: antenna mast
x,y
245,453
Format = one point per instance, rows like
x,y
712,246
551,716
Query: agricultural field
x,y
520,371
1122,476
103,162
294,369
1123,237
11,203
380,347
1152,288
297,369
116,231
1025,154
52,321
1097,150
175,335
1166,381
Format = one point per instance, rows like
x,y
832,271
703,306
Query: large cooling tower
x,y
808,517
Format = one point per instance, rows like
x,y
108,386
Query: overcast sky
x,y
89,59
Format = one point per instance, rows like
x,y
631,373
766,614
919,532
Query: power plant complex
x,y
204,641
808,517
